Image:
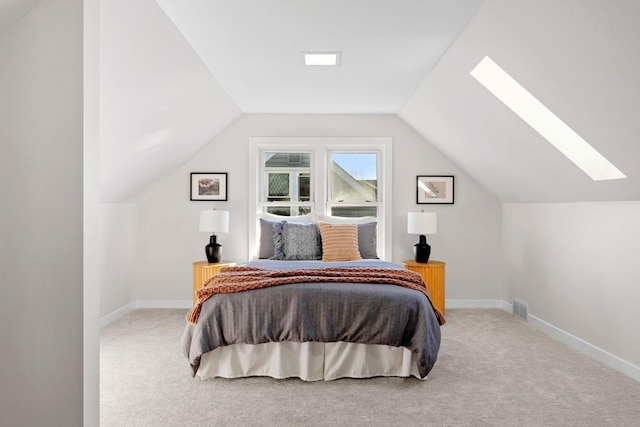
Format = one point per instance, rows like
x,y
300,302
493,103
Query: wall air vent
x,y
520,309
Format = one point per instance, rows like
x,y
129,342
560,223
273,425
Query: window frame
x,y
320,149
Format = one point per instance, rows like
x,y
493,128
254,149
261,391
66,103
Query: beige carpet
x,y
493,370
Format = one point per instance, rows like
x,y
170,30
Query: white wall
x,y
91,193
118,257
169,241
41,223
576,265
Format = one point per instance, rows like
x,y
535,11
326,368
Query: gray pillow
x,y
294,241
368,240
301,241
278,241
266,239
267,220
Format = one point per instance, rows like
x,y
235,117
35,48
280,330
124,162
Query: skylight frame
x,y
544,121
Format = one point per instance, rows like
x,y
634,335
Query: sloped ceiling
x,y
159,104
578,57
175,73
11,11
254,48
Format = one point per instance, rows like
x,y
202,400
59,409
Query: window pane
x,y
354,177
278,186
287,160
279,210
288,210
304,187
287,176
354,211
303,210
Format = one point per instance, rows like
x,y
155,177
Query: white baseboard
x,y
123,311
582,346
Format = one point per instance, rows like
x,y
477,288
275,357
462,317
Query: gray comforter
x,y
321,312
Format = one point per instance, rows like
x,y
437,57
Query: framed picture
x,y
434,189
207,186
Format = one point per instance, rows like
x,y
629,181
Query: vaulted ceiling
x,y
175,73
254,49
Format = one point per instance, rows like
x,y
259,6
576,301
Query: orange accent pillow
x,y
339,242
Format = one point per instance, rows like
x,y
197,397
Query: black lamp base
x,y
422,250
213,250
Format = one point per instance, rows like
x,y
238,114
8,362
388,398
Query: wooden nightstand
x,y
433,275
202,271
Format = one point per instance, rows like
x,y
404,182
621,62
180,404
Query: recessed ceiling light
x,y
543,121
321,58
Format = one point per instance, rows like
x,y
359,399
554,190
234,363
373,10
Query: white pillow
x,y
312,217
345,220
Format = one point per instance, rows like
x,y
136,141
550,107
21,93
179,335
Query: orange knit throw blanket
x,y
238,279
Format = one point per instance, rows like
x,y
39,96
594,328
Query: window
x,y
287,178
353,184
345,177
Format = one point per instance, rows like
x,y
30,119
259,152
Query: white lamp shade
x,y
422,223
213,221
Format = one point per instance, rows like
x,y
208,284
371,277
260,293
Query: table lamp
x,y
422,223
213,221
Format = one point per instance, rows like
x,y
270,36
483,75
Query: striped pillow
x,y
339,242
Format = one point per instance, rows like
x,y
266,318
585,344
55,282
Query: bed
x,y
313,317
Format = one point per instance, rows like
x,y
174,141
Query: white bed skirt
x,y
310,361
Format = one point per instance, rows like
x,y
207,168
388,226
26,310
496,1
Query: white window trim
x,y
320,147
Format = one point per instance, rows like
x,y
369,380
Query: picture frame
x,y
208,186
436,189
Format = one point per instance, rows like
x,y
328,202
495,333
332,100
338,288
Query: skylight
x,y
321,58
543,121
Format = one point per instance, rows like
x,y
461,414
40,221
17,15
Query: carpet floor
x,y
492,370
